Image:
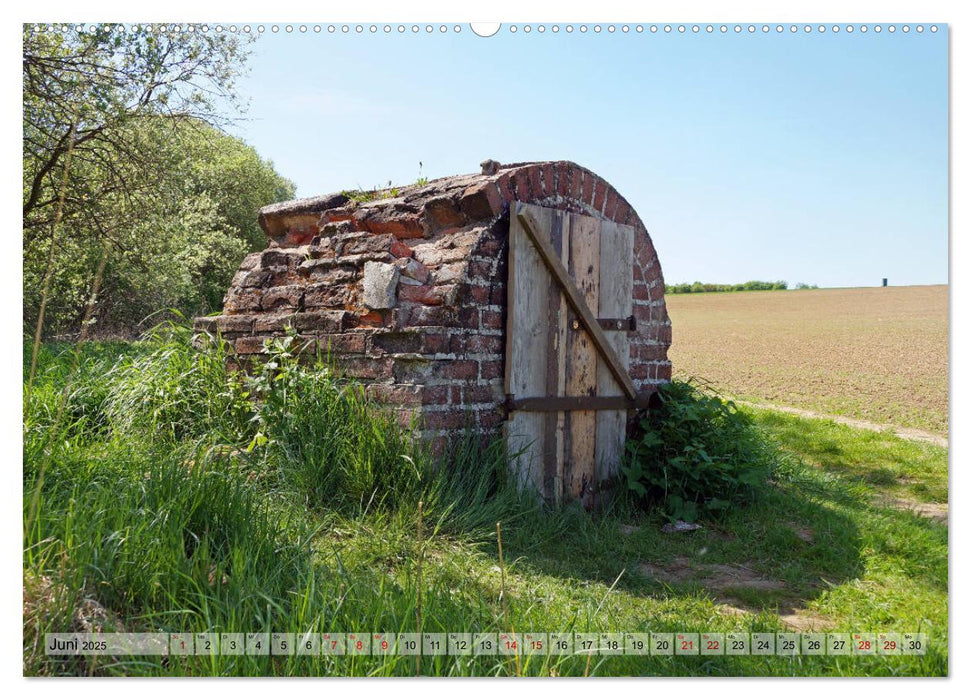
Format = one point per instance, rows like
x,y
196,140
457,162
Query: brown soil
x,y
716,577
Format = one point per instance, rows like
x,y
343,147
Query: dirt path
x,y
905,433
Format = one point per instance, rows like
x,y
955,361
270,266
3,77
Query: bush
x,y
694,455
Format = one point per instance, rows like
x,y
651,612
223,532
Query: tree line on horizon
x,y
750,286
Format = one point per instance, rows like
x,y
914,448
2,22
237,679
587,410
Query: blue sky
x,y
810,158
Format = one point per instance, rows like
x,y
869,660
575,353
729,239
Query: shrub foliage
x,y
695,455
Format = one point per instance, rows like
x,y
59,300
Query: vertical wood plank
x,y
616,294
527,352
582,360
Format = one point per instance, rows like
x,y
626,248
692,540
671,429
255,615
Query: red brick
x,y
492,320
365,367
505,185
478,293
325,296
446,420
481,201
599,194
396,394
641,292
586,194
664,372
327,321
477,344
235,324
249,346
243,300
421,294
520,183
535,182
491,419
489,246
287,297
610,206
479,393
441,213
459,369
434,395
400,250
623,212
344,344
372,318
429,316
399,224
410,341
433,343
491,369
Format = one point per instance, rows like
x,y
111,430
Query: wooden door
x,y
567,351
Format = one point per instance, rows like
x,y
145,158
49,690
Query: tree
x,y
153,185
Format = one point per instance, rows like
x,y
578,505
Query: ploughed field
x,y
877,354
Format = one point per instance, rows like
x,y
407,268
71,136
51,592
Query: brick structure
x,y
407,292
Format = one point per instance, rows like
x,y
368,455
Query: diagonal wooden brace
x,y
575,299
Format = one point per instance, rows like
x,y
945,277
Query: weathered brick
x,y
491,369
421,294
460,369
610,205
481,201
441,213
489,420
368,244
268,323
250,345
255,278
482,393
450,273
325,296
286,297
479,293
412,269
521,185
326,321
434,343
535,181
241,300
447,420
505,185
586,194
235,324
434,395
477,344
365,367
343,344
410,341
396,394
599,195
251,261
480,270
422,315
492,320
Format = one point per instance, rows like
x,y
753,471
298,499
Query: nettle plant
x,y
695,455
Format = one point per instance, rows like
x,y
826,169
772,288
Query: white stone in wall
x,y
379,285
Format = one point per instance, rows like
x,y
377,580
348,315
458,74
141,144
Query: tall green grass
x,y
179,496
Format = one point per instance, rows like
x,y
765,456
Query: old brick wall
x,y
407,291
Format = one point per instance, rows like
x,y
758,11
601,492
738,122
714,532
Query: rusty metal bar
x,y
577,403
